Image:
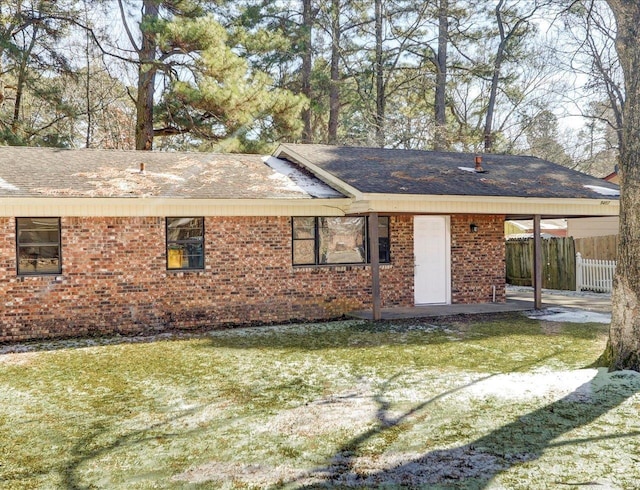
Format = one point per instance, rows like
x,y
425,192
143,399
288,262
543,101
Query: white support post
x,y
578,272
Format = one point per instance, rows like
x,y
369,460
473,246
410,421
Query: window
x,y
185,238
38,246
319,241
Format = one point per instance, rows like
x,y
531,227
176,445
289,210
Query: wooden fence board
x,y
597,247
558,259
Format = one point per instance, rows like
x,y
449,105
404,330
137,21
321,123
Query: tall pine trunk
x,y
623,349
495,79
334,88
146,77
440,106
379,74
307,62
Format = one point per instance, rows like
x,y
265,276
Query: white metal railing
x,y
594,275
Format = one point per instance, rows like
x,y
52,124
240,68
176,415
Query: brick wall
x,y
477,259
114,279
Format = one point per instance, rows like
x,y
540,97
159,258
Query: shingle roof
x,y
396,171
48,172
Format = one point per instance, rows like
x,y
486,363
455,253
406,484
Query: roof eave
x,y
160,207
510,206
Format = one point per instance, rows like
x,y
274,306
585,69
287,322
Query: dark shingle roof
x,y
48,172
394,171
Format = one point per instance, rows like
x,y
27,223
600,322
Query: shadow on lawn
x,y
474,465
97,443
355,333
297,335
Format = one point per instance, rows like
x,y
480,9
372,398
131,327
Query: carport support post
x,y
537,263
374,258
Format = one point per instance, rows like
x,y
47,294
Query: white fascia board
x,y
416,204
323,175
121,207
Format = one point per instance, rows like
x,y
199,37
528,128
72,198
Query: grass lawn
x,y
499,402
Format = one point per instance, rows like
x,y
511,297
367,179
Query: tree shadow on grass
x,y
99,440
474,465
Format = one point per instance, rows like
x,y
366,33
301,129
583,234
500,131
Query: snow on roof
x,y
7,186
292,178
605,191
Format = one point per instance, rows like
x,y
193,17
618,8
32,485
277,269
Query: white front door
x,y
431,247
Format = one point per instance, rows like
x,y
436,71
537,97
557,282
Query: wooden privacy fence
x,y
594,275
558,263
597,247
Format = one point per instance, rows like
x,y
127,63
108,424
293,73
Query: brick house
x,y
102,241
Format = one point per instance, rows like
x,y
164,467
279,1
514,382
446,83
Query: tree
x,y
623,348
209,91
441,61
513,26
543,138
30,58
589,34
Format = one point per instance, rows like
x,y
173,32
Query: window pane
x,y
383,227
185,237
304,252
38,260
383,239
385,252
185,256
304,228
36,231
341,240
185,228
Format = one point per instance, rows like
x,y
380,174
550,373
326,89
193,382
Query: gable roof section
x,y
386,171
171,183
45,172
390,180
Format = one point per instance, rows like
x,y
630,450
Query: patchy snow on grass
x,y
472,463
523,386
570,315
557,292
337,404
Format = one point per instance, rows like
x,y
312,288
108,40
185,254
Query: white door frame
x,y
423,252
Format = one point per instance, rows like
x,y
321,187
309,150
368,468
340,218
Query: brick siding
x,y
477,259
114,277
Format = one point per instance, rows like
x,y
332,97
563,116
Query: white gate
x,y
594,275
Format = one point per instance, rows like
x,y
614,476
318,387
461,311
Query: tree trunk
x,y
146,78
380,89
623,349
22,80
334,89
440,108
495,79
307,62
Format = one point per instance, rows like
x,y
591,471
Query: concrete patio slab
x,y
520,299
